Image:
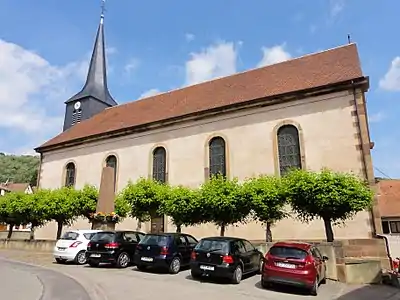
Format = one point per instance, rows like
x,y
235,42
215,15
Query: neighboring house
x,y
389,205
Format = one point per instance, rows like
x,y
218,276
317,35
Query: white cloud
x,y
216,61
336,7
273,55
32,92
132,65
149,93
391,80
377,117
189,37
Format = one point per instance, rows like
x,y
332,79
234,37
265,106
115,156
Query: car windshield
x,y
154,239
288,252
103,237
70,236
210,245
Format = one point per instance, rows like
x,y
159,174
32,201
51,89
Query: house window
x,y
217,156
111,161
70,174
389,227
159,164
288,148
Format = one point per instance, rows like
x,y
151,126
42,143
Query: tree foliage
x,y
223,202
268,199
331,196
19,169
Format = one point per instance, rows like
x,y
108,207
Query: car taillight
x,y
193,256
111,246
308,262
227,259
89,245
75,244
164,251
139,247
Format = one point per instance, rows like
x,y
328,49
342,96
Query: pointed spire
x,y
96,81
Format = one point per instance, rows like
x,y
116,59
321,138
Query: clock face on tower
x,y
77,105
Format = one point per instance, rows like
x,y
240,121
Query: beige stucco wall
x,y
328,136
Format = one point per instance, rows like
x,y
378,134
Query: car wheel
x,y
314,289
175,265
93,264
80,258
195,275
265,284
260,266
323,281
237,275
60,261
123,260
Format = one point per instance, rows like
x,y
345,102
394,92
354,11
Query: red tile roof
x,y
14,187
311,71
389,198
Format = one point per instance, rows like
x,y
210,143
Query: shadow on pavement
x,y
213,280
372,292
284,289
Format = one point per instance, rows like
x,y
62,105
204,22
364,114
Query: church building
x,y
308,112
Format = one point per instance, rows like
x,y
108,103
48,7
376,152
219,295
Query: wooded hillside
x,y
18,169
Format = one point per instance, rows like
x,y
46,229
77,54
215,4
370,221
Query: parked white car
x,y
72,246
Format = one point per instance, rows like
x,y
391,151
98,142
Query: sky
x,y
155,46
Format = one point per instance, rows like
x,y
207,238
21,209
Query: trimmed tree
x,y
268,199
332,196
183,205
223,202
11,210
35,210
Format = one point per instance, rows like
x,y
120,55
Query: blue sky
x,y
159,45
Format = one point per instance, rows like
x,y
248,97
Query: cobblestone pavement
x,y
108,283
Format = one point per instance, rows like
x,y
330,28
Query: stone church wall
x,y
327,135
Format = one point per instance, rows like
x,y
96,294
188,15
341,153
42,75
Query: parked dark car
x,y
115,247
296,264
165,251
225,257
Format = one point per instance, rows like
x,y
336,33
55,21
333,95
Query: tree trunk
x,y
32,233
268,232
139,226
328,229
59,229
10,230
178,228
222,232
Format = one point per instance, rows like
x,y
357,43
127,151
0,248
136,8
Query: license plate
x,y
207,268
95,255
287,266
61,248
146,259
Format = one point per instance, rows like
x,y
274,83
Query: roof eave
x,y
358,82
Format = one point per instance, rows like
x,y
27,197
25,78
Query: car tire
x,y
265,284
93,264
323,281
60,261
237,275
314,288
175,265
80,258
123,260
195,275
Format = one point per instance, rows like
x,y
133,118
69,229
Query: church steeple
x,y
94,96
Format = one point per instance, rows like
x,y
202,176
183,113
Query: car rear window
x,y
70,236
104,237
213,245
88,236
154,239
288,252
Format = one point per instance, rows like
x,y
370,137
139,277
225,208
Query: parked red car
x,y
296,264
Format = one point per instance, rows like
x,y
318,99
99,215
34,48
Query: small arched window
x,y
70,175
217,156
288,148
159,164
111,161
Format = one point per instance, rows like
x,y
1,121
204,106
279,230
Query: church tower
x,y
94,96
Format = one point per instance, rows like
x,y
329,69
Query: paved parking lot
x,y
108,283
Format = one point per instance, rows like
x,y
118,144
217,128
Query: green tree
x,y
183,205
35,210
268,199
11,210
144,197
334,197
19,169
223,202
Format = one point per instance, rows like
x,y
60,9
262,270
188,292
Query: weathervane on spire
x,y
103,8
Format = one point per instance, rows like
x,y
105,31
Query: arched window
x,y
288,148
70,174
217,157
159,164
111,161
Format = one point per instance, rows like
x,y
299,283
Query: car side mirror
x,y
324,258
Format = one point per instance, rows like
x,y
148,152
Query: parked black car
x,y
165,250
225,257
115,247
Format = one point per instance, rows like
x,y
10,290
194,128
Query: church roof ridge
x,y
339,64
